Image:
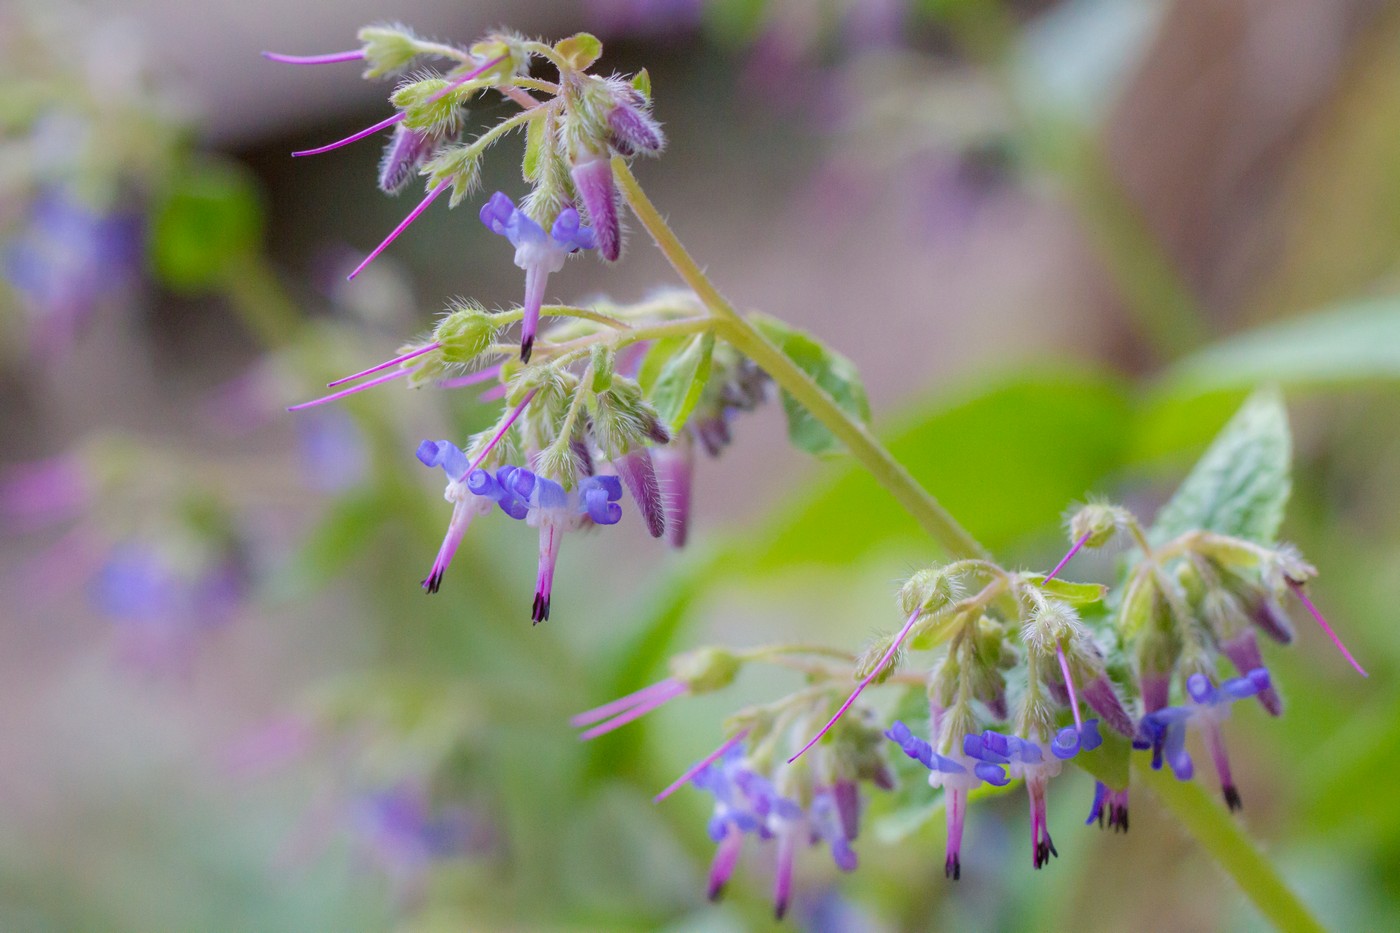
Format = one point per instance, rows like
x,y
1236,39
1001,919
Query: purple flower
x,y
1164,731
402,835
1026,759
537,252
956,775
748,803
525,496
1113,803
161,611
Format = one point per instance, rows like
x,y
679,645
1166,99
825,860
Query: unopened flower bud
x,y
706,669
927,591
464,333
1097,523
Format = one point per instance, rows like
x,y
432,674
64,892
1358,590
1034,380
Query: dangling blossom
x,y
1003,757
469,495
747,803
955,775
1110,803
537,252
1164,731
524,496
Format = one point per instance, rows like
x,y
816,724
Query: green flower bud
x,y
1097,523
424,111
706,669
465,332
624,420
927,591
388,49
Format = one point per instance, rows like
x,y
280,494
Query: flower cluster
x,y
524,496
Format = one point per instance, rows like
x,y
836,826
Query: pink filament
x,y
356,137
1297,589
350,391
1068,557
463,79
328,59
635,698
674,689
471,379
403,225
501,431
874,671
412,354
701,765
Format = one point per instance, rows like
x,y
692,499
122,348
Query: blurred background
x,y
1060,241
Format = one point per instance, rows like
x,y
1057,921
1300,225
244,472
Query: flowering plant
x,y
603,397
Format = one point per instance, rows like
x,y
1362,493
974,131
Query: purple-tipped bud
x,y
1099,694
639,476
404,154
1243,652
1265,612
594,182
634,132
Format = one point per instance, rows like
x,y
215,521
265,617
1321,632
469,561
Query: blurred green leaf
x,y
682,381
209,221
1354,343
734,22
1241,485
1006,458
830,370
347,528
655,361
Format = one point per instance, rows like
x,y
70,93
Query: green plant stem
x,y
1220,836
747,339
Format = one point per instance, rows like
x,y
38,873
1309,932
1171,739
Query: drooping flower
x,y
1164,731
525,496
1113,804
748,803
1002,757
537,252
955,776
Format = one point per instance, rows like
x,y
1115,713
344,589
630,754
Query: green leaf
x,y
832,371
580,50
682,381
209,221
1076,594
655,361
1356,343
641,83
1241,485
1006,457
1109,762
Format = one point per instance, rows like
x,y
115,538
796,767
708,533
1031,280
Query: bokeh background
x,y
1060,240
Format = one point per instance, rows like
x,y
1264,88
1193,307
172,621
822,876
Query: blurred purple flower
x,y
66,260
161,612
399,832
